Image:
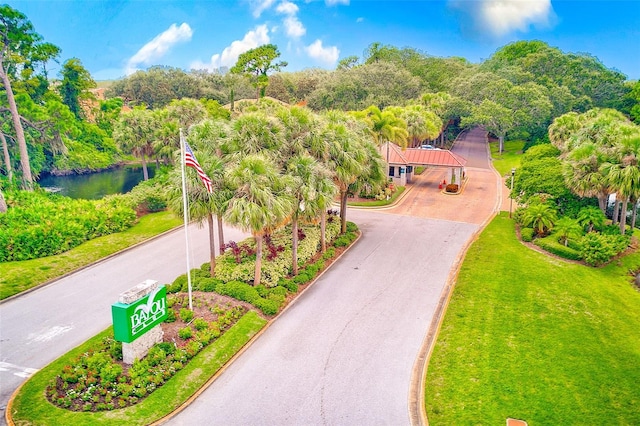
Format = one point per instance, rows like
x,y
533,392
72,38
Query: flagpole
x,y
186,213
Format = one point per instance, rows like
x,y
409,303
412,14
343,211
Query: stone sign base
x,y
140,347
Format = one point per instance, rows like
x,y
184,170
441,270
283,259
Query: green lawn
x,y
16,277
534,338
31,407
509,158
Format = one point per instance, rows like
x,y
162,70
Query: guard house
x,y
402,162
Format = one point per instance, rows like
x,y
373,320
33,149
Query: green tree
x,y
135,133
496,118
75,85
256,64
22,49
566,228
261,203
539,216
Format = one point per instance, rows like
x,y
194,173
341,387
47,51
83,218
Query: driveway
x,y
344,353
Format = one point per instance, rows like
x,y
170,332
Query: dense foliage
x,y
38,224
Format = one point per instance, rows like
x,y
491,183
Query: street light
x,y
513,172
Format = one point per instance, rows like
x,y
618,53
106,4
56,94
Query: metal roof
x,y
421,157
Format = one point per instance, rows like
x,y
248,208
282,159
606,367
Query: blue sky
x,y
116,37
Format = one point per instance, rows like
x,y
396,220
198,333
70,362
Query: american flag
x,y
190,160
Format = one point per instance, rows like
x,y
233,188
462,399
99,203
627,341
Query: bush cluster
x,y
97,381
598,249
39,224
552,245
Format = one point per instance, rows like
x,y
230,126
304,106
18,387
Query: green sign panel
x,y
132,321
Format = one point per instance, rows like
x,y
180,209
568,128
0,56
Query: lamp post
x,y
513,172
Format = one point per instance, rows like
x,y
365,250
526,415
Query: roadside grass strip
x,y
16,277
530,337
30,405
509,158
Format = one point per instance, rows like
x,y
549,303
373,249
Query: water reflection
x,y
93,186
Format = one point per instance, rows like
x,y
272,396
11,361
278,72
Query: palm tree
x,y
134,132
346,159
384,127
591,217
583,175
540,217
421,123
202,205
623,175
210,137
566,228
302,170
3,203
260,204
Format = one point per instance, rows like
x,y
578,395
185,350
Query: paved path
x,y
345,351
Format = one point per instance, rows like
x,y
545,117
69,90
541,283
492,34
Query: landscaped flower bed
x,y
98,380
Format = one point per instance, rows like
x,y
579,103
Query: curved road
x,y
343,353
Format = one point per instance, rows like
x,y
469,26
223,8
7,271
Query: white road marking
x,y
19,371
48,334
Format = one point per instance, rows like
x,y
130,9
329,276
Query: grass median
x,y
531,337
16,277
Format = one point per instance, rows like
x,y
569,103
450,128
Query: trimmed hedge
x,y
551,245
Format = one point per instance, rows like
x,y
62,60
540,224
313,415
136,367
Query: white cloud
x,y
336,2
159,46
229,56
287,8
260,6
294,27
501,17
327,55
292,24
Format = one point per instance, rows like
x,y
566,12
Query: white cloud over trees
x,y
159,46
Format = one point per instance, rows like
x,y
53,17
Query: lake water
x,y
93,186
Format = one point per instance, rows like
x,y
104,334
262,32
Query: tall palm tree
x,y
384,126
302,171
134,132
346,160
623,175
421,123
260,204
583,175
202,205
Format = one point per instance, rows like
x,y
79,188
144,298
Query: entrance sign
x,y
131,321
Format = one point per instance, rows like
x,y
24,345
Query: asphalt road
x,y
38,327
342,354
345,351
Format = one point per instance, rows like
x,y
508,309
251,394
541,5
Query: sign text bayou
x,y
131,321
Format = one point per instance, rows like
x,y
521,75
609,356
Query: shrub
x,y
452,187
551,245
200,324
267,306
352,227
186,315
185,333
598,249
527,234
